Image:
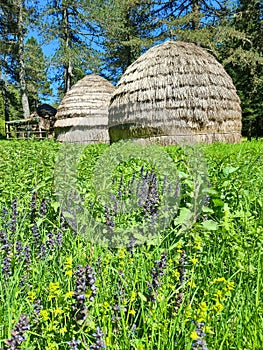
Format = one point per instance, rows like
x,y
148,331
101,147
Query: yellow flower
x,y
229,287
31,296
68,265
191,284
194,335
107,341
133,296
51,346
203,306
44,315
53,290
193,261
176,275
179,247
201,311
188,312
63,330
132,312
58,311
208,330
69,294
106,306
170,262
121,253
219,295
219,280
197,243
218,307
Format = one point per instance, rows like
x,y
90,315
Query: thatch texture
x,y
83,113
175,91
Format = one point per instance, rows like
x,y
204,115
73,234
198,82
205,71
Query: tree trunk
x,y
5,100
249,133
196,15
68,75
22,80
257,127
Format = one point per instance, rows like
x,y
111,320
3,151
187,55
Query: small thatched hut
x,y
46,115
83,113
175,92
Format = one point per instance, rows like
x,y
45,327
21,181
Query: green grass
x,y
212,273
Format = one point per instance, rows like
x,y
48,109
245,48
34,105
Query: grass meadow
x,y
199,287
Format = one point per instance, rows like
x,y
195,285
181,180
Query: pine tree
x,y
245,63
71,24
128,31
14,18
38,85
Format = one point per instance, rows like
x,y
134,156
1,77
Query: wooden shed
x,y
40,124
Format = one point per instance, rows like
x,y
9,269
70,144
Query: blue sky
x,y
50,48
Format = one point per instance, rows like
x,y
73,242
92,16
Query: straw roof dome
x,y
175,91
83,113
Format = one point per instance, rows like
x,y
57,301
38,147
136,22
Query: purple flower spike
x,y
18,333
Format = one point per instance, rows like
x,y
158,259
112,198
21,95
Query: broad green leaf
x,y
143,298
229,170
210,225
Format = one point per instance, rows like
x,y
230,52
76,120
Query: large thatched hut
x,y
83,113
175,92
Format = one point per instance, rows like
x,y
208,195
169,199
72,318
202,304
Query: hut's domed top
x,y
89,97
83,113
174,88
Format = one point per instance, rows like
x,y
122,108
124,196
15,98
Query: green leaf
x,y
68,215
55,205
207,210
184,217
143,298
210,225
39,222
229,170
218,202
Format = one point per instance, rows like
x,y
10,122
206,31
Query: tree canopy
x,y
106,36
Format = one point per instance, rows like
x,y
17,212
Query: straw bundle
x,y
83,113
175,91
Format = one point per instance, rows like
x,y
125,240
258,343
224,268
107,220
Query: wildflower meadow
x,y
127,254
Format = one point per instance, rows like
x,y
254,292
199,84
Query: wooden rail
x,y
25,129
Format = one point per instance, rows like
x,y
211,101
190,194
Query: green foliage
x,y
72,26
128,31
38,85
242,57
2,118
210,274
105,37
16,17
